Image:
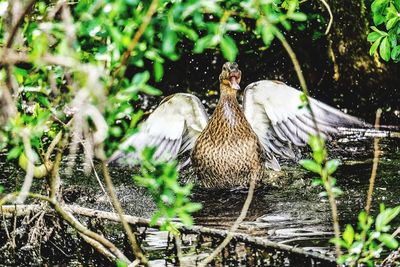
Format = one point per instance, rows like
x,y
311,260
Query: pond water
x,y
287,209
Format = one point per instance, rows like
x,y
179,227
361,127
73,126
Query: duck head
x,y
230,75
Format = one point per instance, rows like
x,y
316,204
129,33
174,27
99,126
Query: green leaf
x,y
267,35
317,182
190,33
316,143
169,42
298,16
378,19
15,152
384,49
391,22
375,46
378,6
385,217
339,241
332,165
158,71
319,155
150,90
375,29
202,44
348,234
311,165
141,78
121,263
373,36
228,48
392,36
388,240
186,219
193,207
395,55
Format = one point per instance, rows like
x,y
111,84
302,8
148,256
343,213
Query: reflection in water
x,y
288,210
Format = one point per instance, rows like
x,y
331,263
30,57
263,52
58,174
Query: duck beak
x,y
234,83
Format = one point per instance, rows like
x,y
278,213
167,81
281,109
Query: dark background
x,y
363,84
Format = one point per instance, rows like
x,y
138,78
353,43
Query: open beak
x,y
234,83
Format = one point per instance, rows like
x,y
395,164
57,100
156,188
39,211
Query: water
x,y
286,209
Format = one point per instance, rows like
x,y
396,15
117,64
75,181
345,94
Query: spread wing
x,y
274,111
172,128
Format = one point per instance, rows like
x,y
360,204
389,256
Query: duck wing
x,y
275,112
172,128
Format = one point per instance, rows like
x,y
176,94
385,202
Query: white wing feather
x,y
274,111
172,128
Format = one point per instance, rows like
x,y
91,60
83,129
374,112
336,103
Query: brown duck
x,y
234,145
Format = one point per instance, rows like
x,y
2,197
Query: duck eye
x,y
224,68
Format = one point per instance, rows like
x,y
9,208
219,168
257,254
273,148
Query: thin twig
x,y
300,76
147,18
117,205
14,29
374,163
330,16
10,57
72,221
327,183
5,223
9,43
234,227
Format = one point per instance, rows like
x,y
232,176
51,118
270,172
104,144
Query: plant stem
x,y
374,163
330,16
117,205
327,184
147,18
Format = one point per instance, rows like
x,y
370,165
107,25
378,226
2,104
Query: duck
x,y
239,141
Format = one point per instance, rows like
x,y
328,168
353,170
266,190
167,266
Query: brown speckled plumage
x,y
227,153
232,147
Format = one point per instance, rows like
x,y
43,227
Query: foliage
x,y
367,245
82,67
386,37
172,199
319,165
363,247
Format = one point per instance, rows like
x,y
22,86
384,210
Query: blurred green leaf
x,y
389,241
202,44
348,235
229,48
14,152
298,16
267,34
310,165
121,263
332,165
158,71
